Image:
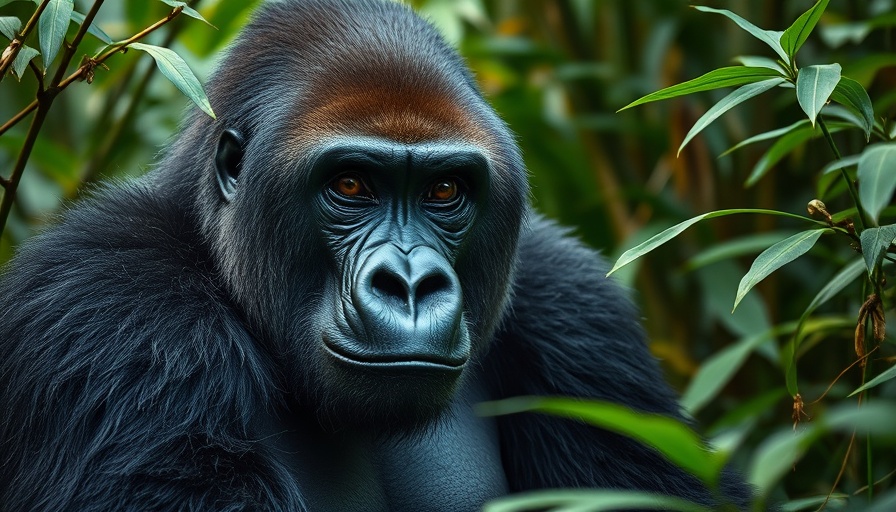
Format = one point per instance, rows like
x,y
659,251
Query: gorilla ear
x,y
229,161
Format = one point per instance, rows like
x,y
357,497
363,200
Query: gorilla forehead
x,y
349,68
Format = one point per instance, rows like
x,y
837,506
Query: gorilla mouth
x,y
393,361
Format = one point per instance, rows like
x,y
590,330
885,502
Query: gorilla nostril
x,y
389,286
431,285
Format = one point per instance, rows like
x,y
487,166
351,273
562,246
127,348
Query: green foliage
x,y
813,86
676,441
590,500
52,27
175,69
556,71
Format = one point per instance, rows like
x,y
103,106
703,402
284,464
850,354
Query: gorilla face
x,y
365,215
393,218
388,338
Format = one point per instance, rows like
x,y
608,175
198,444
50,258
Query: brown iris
x,y
443,190
350,185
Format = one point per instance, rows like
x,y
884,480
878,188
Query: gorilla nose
x,y
404,290
410,306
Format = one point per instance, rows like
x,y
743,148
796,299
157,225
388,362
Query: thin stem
x,y
12,184
864,220
92,63
45,100
19,41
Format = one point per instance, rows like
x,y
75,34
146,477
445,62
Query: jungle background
x,y
557,71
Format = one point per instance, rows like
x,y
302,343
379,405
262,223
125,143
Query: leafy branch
x,y
53,22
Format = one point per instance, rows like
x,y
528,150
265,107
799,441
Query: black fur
x,y
157,346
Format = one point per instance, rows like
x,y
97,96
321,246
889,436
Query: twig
x,y
91,64
19,41
864,221
45,101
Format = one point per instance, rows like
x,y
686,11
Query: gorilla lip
x,y
411,362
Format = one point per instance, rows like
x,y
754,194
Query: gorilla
x,y
300,306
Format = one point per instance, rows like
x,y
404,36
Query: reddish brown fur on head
x,y
399,101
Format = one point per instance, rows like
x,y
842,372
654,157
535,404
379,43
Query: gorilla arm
x,y
129,382
572,332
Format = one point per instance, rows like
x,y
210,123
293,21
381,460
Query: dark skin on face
x,y
393,217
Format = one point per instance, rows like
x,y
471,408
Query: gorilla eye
x,y
443,191
351,185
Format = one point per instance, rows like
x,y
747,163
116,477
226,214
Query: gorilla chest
x,y
454,466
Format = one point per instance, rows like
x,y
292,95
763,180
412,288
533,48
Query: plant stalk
x,y
864,220
19,41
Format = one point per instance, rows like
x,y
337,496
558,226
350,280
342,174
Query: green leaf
x,y
187,10
749,244
877,177
844,162
776,456
718,369
79,18
782,147
10,26
675,440
52,26
670,233
794,37
841,280
853,96
733,99
889,374
835,500
766,136
715,79
769,37
753,61
814,85
775,257
26,53
875,242
591,500
175,69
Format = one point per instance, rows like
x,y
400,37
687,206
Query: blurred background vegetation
x,y
557,71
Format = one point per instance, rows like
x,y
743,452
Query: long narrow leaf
x,y
52,26
719,368
176,70
844,162
658,240
769,37
591,500
675,440
754,61
773,134
783,146
733,99
814,86
889,374
775,257
853,96
187,10
877,181
716,79
794,37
